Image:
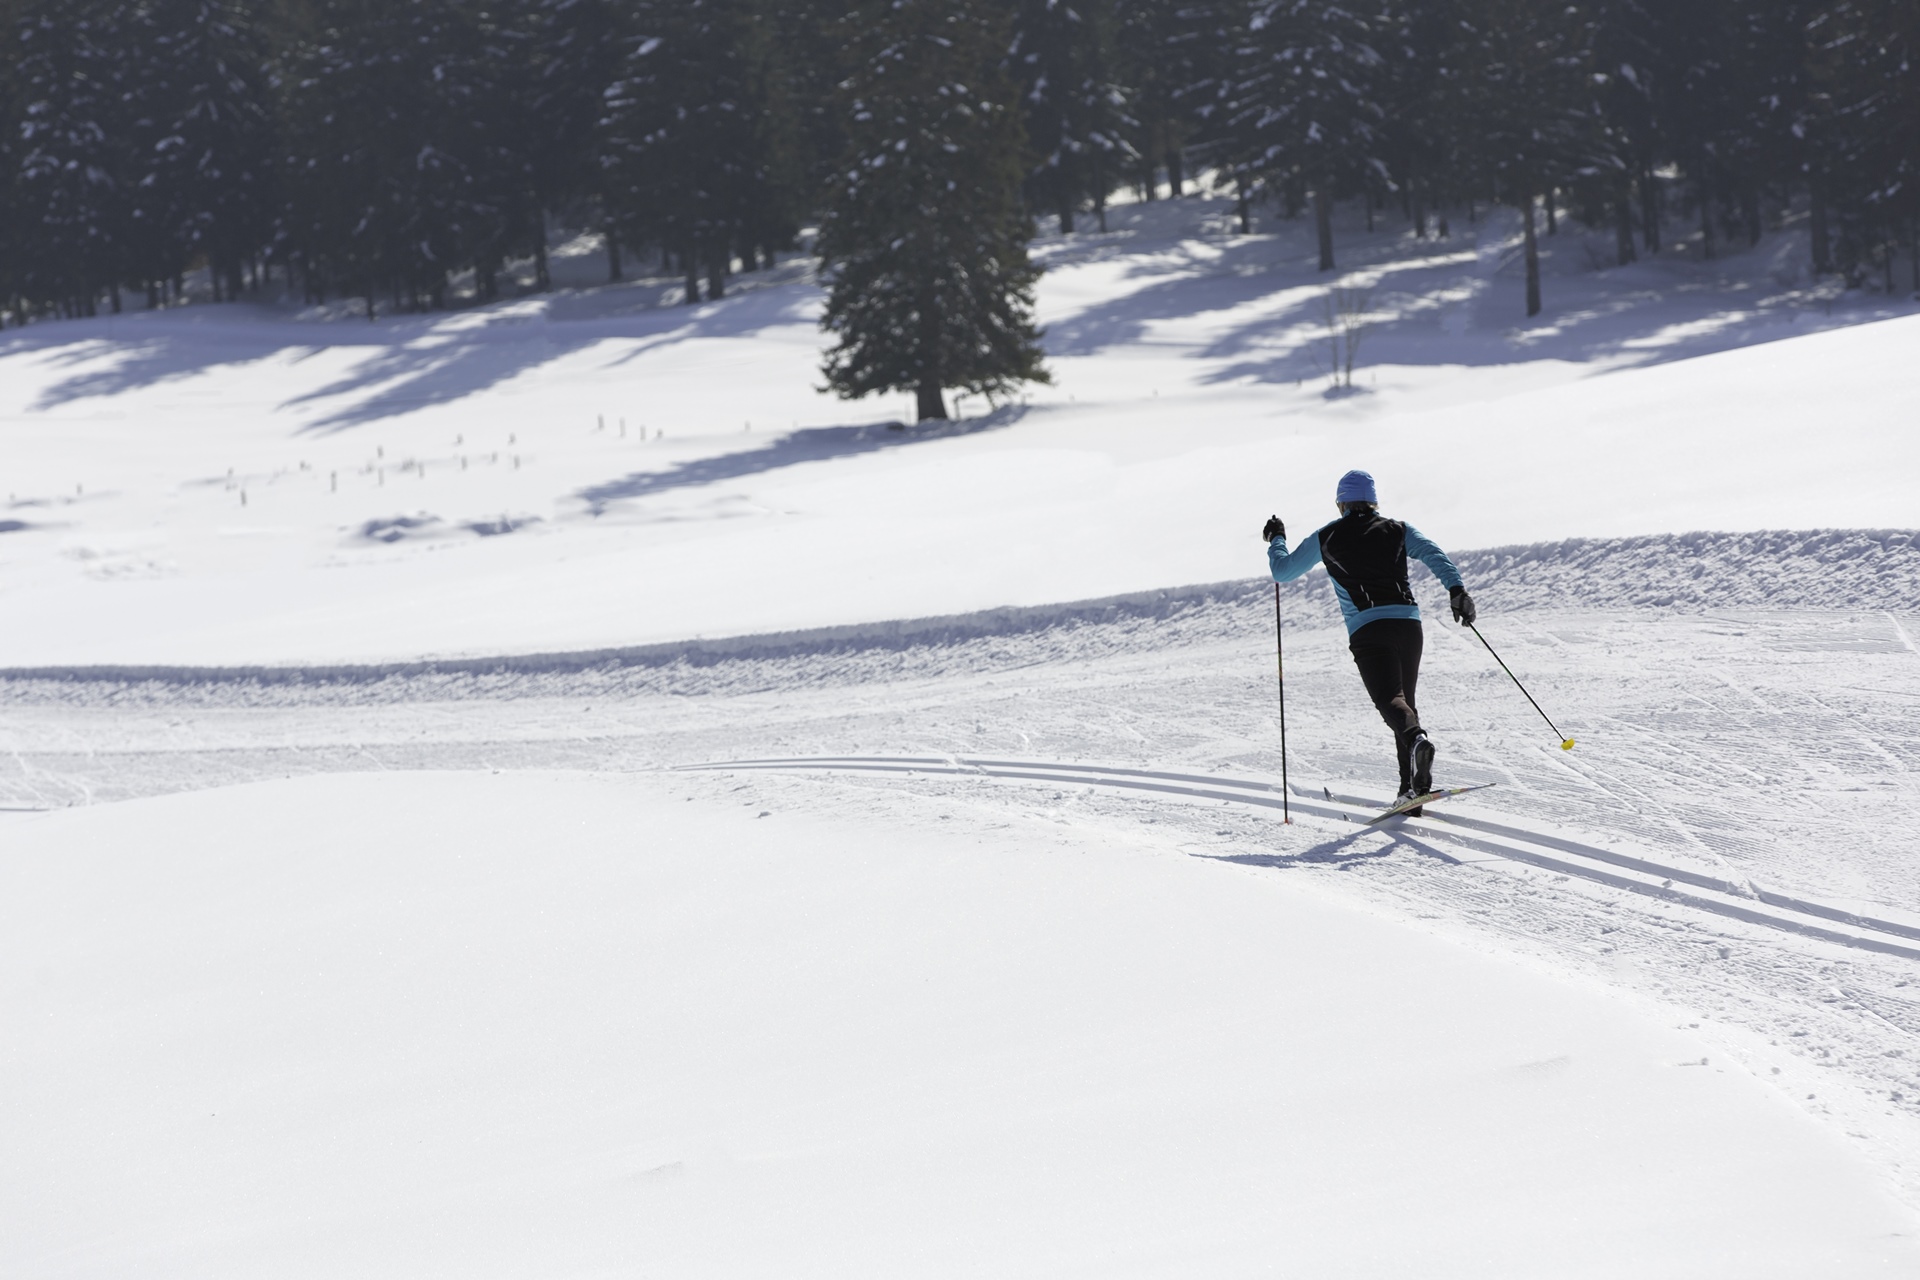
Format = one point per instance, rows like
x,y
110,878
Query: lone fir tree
x,y
924,239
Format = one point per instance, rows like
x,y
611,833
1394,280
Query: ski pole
x,y
1280,671
1566,743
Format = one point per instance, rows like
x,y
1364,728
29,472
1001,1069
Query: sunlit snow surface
x,y
465,979
225,485
532,1024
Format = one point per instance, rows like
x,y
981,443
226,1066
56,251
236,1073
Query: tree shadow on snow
x,y
1456,301
410,362
809,444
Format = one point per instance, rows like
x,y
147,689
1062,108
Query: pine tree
x,y
1627,60
1306,103
385,133
1415,142
1872,62
552,61
1076,120
685,160
70,154
199,181
1213,40
924,238
1525,103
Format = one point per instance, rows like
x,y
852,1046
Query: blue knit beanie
x,y
1356,486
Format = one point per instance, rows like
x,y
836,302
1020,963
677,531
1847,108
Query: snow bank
x,y
1836,569
506,1025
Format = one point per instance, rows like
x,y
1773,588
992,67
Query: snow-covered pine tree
x,y
384,128
69,227
1784,110
1416,143
1076,118
558,57
685,160
1156,56
808,62
1524,104
1694,101
199,182
1628,143
1306,104
924,242
1211,40
1871,65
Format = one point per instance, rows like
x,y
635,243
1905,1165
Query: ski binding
x,y
1414,802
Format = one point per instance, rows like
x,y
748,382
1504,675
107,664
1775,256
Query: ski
x,y
1414,802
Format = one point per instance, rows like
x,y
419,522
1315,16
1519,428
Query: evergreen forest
x,y
401,152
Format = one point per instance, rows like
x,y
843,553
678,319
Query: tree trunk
x,y
541,279
614,273
1750,214
929,402
1649,211
692,267
1623,250
1533,264
1066,218
717,276
1817,227
1176,173
1417,208
1241,206
1323,225
1553,215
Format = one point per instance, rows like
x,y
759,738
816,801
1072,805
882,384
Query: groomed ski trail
x,y
1550,852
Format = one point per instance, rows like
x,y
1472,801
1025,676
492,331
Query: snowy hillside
x,y
542,791
592,469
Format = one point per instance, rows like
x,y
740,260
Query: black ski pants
x,y
1387,651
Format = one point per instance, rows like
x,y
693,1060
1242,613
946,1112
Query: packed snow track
x,y
1732,841
1502,840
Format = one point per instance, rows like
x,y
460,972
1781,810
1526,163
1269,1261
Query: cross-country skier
x,y
1366,556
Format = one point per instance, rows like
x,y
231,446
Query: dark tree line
x,y
405,152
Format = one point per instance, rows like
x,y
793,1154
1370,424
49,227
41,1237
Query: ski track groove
x,y
1513,844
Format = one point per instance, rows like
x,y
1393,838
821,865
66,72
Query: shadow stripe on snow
x,y
1514,844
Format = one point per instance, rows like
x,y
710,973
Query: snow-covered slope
x,y
501,1026
1020,971
589,470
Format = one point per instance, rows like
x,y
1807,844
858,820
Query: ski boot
x,y
1422,753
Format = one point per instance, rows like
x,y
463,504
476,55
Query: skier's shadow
x,y
1339,853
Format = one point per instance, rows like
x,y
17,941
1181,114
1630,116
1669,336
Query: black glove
x,y
1272,529
1463,611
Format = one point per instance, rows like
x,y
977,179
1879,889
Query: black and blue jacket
x,y
1366,556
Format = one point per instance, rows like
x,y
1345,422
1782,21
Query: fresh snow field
x,y
175,473
539,1024
542,791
